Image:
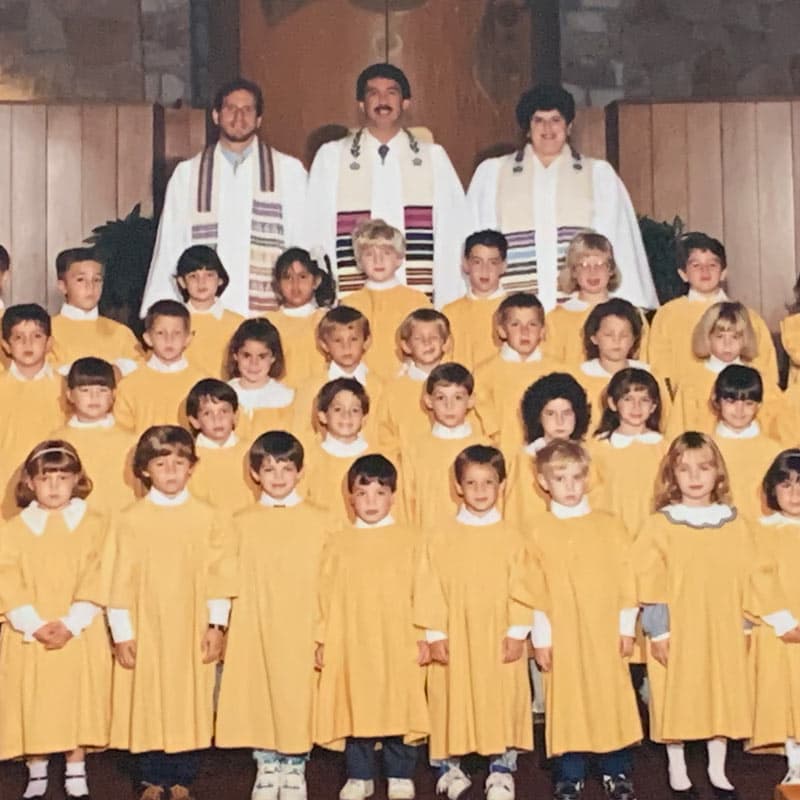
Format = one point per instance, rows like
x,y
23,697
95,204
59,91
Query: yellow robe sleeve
x,y
222,568
649,563
527,582
430,606
94,582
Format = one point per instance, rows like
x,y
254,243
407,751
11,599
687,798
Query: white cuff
x,y
126,366
80,616
660,638
627,621
435,636
542,634
521,632
780,621
119,620
219,611
26,620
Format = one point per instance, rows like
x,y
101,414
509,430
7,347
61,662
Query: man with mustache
x,y
241,197
383,171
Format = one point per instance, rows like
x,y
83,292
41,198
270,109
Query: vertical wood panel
x,y
64,195
704,157
99,165
134,158
670,183
635,143
796,177
589,132
29,207
5,188
776,218
740,201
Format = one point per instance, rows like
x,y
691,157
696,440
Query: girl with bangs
x,y
54,656
699,572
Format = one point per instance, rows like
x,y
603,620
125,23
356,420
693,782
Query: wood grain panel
x,y
589,132
5,188
134,158
704,168
635,149
99,165
796,178
670,182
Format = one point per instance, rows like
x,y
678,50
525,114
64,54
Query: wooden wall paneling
x,y
64,191
740,201
589,132
5,188
29,203
796,179
99,166
635,148
670,180
134,158
776,210
704,168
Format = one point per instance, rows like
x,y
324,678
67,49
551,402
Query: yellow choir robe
x,y
101,337
267,694
476,702
298,334
267,408
211,333
709,574
221,476
386,309
170,560
370,684
524,496
55,700
790,339
106,452
587,569
151,396
403,416
747,458
670,340
473,329
775,665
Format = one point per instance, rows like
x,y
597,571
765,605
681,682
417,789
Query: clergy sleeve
x,y
482,195
25,620
293,181
80,616
320,211
119,621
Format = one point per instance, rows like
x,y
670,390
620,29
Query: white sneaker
x,y
400,789
792,776
356,789
268,781
499,786
453,783
293,783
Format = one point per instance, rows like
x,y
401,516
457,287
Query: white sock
x,y
37,779
717,750
676,760
75,784
793,752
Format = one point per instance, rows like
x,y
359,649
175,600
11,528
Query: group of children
x,y
375,513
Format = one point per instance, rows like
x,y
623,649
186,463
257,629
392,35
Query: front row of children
x,y
349,636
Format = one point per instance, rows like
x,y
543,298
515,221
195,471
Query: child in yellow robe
x,y
202,279
78,329
156,392
106,449
427,461
369,652
30,393
267,693
589,277
775,667
478,692
303,290
221,476
737,397
385,301
255,366
168,612
472,316
699,572
583,633
502,380
702,264
54,652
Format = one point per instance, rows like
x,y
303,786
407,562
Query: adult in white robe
x,y
246,242
383,171
545,193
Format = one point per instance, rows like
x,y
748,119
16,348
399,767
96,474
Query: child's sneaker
x,y
293,783
400,789
499,786
453,783
268,781
356,789
567,790
620,787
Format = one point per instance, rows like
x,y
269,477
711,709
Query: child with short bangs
x,y
697,553
54,649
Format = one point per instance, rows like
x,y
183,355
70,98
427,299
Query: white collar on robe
x,y
535,446
507,353
73,312
160,499
209,444
107,421
715,365
718,297
778,518
35,517
381,523
359,373
336,447
216,309
574,303
461,431
156,364
45,372
594,369
305,310
418,374
272,394
750,432
467,517
571,512
380,286
292,499
622,440
498,292
709,516
373,144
